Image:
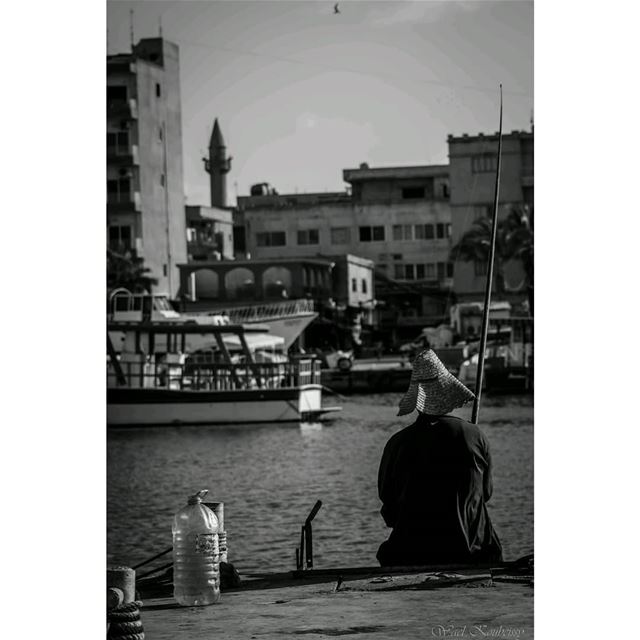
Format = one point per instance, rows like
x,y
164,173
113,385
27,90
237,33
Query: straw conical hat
x,y
432,389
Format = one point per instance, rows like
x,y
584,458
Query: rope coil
x,y
124,622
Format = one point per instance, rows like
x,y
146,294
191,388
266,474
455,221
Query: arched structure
x,y
207,284
240,284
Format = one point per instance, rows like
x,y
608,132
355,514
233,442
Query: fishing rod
x,y
487,292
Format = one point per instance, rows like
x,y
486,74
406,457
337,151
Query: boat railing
x,y
260,312
211,376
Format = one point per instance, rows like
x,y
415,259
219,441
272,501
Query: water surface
x,y
269,477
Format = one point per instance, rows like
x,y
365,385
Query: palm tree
x,y
128,271
514,241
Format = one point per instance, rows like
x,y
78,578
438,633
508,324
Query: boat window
x,y
137,303
121,303
161,304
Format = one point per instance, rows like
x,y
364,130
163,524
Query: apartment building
x,y
397,217
145,191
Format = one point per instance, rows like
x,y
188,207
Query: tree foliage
x,y
514,241
128,271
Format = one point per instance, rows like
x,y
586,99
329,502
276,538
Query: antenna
x,y
131,27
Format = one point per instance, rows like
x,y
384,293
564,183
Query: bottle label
x,y
206,543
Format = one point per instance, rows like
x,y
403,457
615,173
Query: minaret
x,y
217,166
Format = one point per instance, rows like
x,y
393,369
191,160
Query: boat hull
x,y
289,328
147,407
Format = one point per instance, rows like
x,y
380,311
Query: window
x,y
398,271
419,272
271,239
413,193
308,236
120,238
430,271
371,234
116,94
445,191
162,179
340,235
480,268
158,91
428,232
397,256
119,190
484,163
449,269
409,272
419,232
118,142
441,270
440,230
354,285
364,285
402,232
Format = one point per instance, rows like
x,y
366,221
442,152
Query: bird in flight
x,y
335,8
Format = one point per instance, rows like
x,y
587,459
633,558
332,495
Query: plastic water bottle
x,y
196,570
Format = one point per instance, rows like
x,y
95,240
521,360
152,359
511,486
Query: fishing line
x,y
257,54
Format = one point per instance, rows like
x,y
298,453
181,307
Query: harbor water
x,y
269,477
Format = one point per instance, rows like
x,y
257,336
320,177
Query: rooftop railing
x,y
262,312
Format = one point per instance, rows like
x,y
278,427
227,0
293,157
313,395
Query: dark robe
x,y
434,483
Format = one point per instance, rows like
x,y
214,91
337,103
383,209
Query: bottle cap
x,y
197,498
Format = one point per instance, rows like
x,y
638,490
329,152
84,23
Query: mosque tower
x,y
217,166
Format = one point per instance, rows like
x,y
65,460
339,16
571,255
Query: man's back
x,y
434,482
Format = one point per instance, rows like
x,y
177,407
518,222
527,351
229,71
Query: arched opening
x,y
276,282
240,284
207,285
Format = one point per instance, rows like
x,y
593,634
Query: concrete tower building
x,y
217,166
145,190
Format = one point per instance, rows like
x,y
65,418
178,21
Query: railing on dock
x,y
144,372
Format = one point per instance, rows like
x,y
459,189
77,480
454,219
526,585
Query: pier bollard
x,y
123,579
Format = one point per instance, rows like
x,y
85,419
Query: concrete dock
x,y
425,605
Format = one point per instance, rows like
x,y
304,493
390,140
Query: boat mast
x,y
487,292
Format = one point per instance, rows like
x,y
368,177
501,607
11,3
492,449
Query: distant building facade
x,y
472,169
346,278
145,190
397,217
209,233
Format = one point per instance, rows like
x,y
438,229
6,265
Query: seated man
x,y
435,478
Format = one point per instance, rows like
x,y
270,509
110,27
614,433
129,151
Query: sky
x,y
302,93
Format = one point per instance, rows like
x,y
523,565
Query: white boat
x,y
243,379
287,319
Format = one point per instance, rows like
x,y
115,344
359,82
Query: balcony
x,y
127,109
124,202
123,156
